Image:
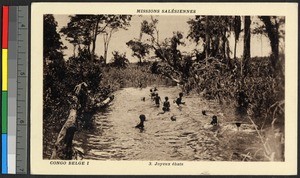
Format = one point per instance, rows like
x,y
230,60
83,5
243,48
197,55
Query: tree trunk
x,y
74,49
247,38
224,39
272,31
106,50
215,46
94,40
89,48
237,31
105,56
106,38
93,50
207,39
63,145
234,55
275,53
228,50
275,46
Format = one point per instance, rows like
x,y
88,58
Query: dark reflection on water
x,y
92,139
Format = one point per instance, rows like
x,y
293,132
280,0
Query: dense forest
x,y
252,86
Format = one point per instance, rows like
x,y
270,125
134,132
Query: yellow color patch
x,y
4,69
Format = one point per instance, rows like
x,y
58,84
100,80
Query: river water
x,y
190,137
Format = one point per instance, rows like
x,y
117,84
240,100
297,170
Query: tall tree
x,y
271,27
70,32
175,65
115,22
140,50
83,30
213,32
54,64
237,30
207,38
199,32
79,31
247,42
52,41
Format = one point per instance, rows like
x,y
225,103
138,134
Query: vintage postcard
x,y
164,88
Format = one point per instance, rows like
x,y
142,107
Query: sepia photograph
x,y
192,83
163,88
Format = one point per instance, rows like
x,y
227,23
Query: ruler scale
x,y
14,85
12,88
22,89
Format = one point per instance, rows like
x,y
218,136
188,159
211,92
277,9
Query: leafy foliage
x,y
51,42
263,91
54,64
140,50
173,63
213,31
119,60
54,69
83,30
81,69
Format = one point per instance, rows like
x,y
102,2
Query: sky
x,y
167,24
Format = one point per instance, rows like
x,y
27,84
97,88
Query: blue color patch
x,y
4,154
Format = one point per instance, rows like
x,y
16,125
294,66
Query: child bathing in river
x,y
166,106
141,124
179,101
157,100
152,94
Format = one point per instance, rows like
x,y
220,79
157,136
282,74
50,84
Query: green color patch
x,y
4,111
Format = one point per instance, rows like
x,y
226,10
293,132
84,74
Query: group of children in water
x,y
166,108
166,104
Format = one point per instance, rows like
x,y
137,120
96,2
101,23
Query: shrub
x,y
263,88
132,76
119,60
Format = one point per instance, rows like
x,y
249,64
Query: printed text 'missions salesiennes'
x,y
165,11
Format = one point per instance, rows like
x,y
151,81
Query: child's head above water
x,y
142,117
166,98
150,90
180,94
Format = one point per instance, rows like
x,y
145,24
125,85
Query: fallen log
x,y
64,139
105,102
63,146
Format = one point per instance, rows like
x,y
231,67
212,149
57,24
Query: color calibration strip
x,y
5,20
14,93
